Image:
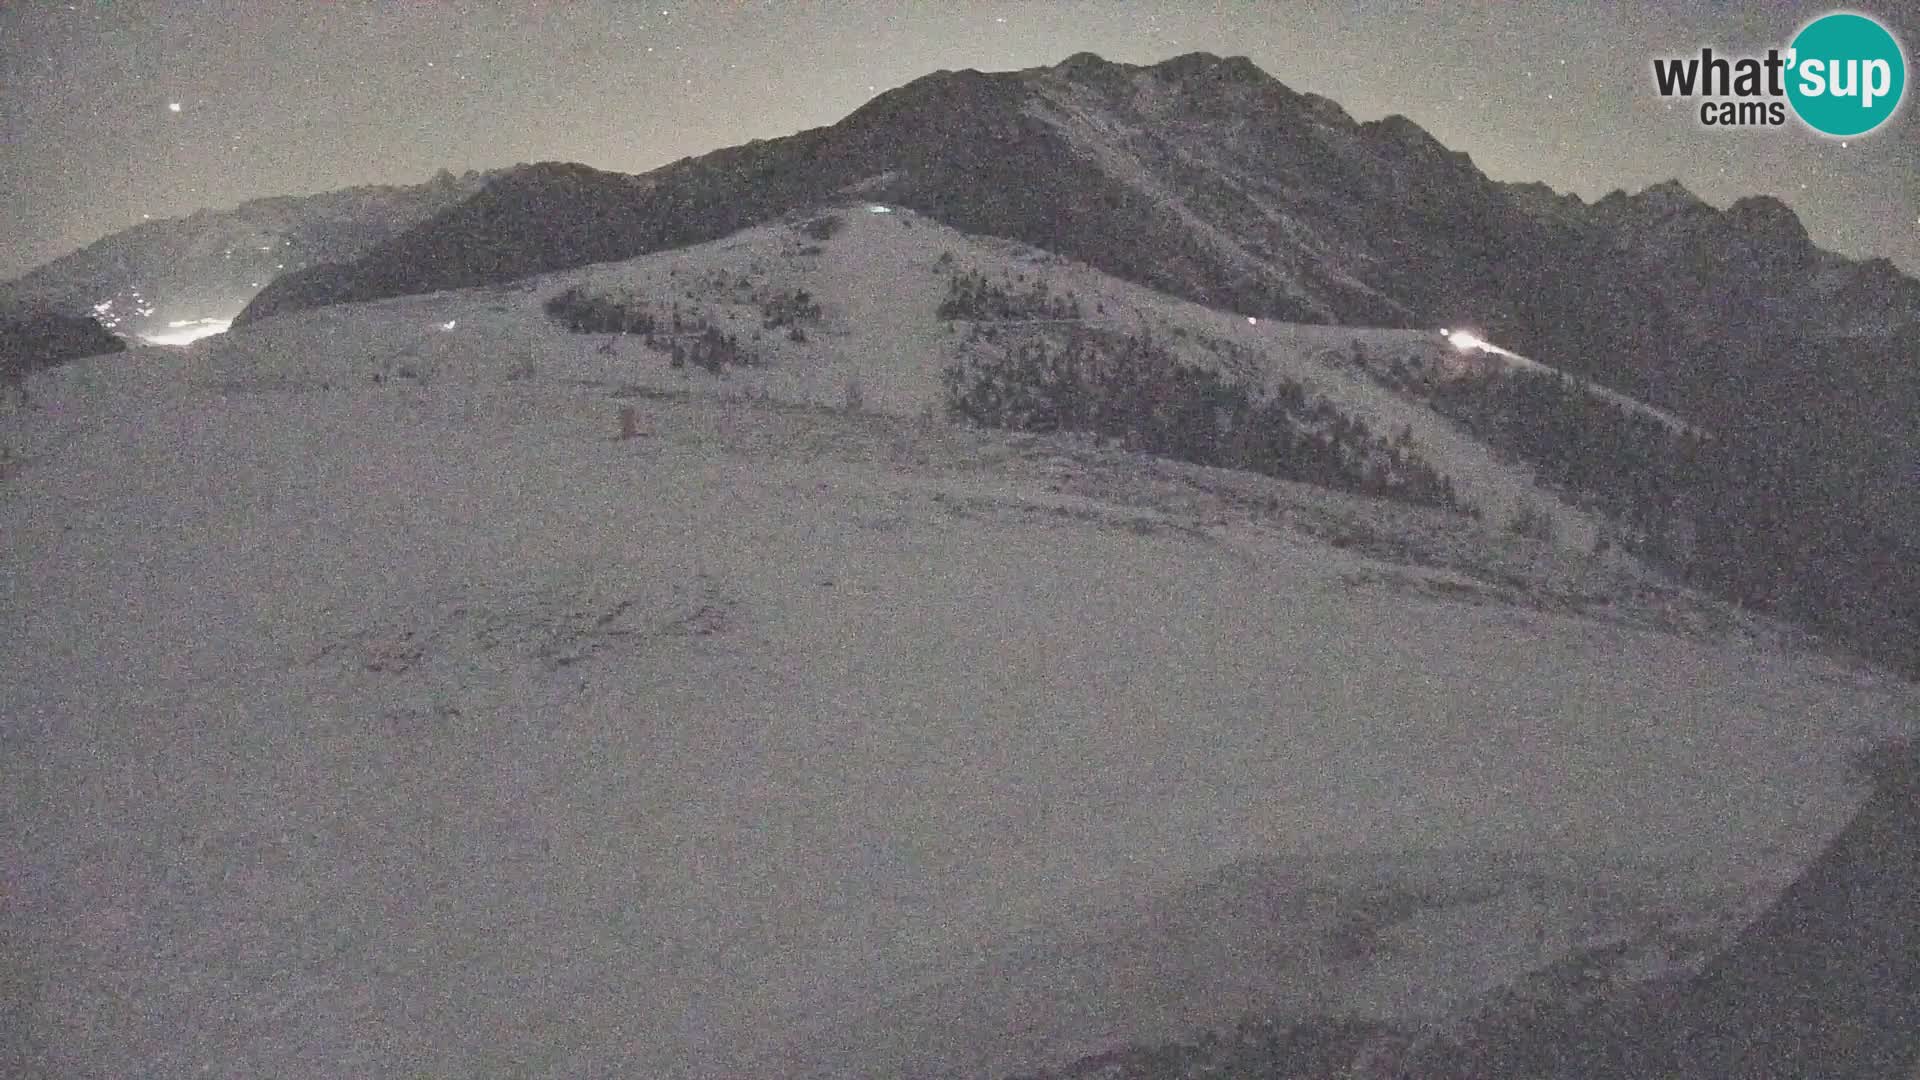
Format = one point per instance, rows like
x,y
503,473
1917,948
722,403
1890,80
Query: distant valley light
x,y
184,331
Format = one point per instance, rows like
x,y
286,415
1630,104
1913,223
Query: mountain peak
x,y
1540,189
1092,69
1084,61
1231,68
1766,205
1544,204
1414,143
1668,194
1772,221
1402,129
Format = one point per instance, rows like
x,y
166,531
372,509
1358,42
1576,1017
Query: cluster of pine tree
x,y
972,295
824,227
708,348
789,308
1772,527
1747,515
685,337
1624,463
1133,388
584,314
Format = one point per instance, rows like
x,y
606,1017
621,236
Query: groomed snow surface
x,y
404,729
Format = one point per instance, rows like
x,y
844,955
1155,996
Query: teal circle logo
x,y
1846,74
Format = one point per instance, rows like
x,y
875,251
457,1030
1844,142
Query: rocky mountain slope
x,y
1199,177
208,265
1207,179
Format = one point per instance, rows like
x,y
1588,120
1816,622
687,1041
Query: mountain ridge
x,y
1208,180
207,264
1303,213
1211,181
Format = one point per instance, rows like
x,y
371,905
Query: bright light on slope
x,y
1467,342
183,331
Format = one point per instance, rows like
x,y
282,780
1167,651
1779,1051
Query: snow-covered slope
x,y
879,280
422,727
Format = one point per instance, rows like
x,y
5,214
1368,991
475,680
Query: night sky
x,y
303,96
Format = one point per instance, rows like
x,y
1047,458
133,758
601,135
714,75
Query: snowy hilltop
x,y
646,668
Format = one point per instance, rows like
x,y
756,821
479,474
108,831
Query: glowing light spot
x,y
449,324
185,331
1467,341
173,106
876,208
1251,321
